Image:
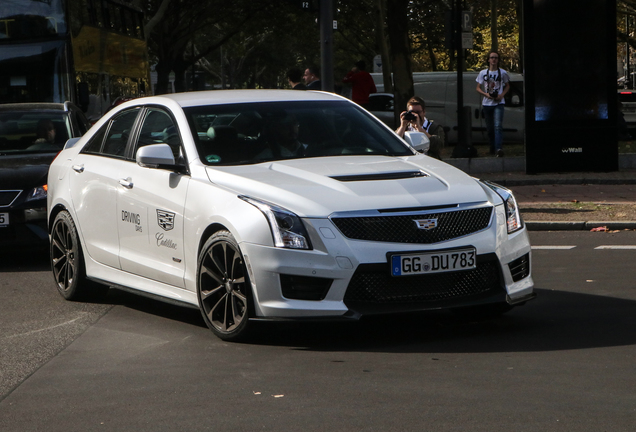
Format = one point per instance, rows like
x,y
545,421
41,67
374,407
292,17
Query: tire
x,y
67,262
482,312
223,288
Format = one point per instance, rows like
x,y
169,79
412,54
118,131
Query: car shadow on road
x,y
141,303
556,320
36,259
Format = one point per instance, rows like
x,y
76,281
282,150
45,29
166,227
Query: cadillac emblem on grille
x,y
165,219
426,224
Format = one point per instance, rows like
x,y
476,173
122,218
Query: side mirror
x,y
516,101
418,140
155,156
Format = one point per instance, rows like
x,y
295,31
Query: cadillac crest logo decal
x,y
165,219
426,224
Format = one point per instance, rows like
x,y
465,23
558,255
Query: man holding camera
x,y
414,119
493,83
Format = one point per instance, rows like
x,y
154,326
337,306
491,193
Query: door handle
x,y
78,168
127,183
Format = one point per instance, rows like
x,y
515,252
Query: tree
x,y
400,52
172,28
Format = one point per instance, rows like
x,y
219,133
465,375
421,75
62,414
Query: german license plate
x,y
4,219
433,262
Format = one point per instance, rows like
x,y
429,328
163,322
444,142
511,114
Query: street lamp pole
x,y
326,45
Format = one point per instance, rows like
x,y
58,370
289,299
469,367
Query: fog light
x,y
304,287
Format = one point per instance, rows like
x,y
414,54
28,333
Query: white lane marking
x,y
616,247
553,247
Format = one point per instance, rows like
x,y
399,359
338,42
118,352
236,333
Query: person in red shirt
x,y
362,84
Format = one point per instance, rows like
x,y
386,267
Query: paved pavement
x,y
607,188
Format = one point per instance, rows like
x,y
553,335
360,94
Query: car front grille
x,y
372,286
8,196
404,229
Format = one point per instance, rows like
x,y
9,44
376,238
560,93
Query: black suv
x,y
31,135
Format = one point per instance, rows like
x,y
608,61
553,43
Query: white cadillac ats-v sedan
x,y
273,204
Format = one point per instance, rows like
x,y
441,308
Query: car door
x,y
151,204
94,186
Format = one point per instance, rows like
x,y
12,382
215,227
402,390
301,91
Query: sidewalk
x,y
558,189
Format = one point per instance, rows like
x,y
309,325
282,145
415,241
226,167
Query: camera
x,y
494,94
409,116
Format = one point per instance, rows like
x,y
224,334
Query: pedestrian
x,y
362,84
294,76
493,83
312,78
414,119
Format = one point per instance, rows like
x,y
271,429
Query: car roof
x,y
216,97
33,106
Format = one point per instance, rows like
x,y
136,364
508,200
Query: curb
x,y
562,181
580,225
626,161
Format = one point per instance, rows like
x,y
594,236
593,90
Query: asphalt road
x,y
563,362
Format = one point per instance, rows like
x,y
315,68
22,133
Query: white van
x,y
439,91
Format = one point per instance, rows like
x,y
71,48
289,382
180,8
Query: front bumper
x,y
344,278
27,228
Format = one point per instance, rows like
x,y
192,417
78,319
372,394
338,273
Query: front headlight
x,y
37,193
513,218
287,228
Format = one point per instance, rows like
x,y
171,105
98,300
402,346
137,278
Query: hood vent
x,y
381,176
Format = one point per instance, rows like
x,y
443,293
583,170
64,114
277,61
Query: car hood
x,y
23,171
319,187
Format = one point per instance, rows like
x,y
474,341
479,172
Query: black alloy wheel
x,y
67,262
223,287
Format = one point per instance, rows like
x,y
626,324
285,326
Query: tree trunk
x,y
397,23
163,70
519,7
494,41
431,54
380,11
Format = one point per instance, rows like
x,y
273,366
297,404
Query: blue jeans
x,y
494,125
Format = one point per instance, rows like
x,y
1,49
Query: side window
x,y
112,137
158,127
94,146
119,132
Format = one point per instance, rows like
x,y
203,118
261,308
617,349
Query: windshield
x,y
34,72
33,131
258,132
21,19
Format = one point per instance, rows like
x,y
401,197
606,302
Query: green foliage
x,y
428,35
252,44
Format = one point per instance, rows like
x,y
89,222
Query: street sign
x,y
467,21
467,40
